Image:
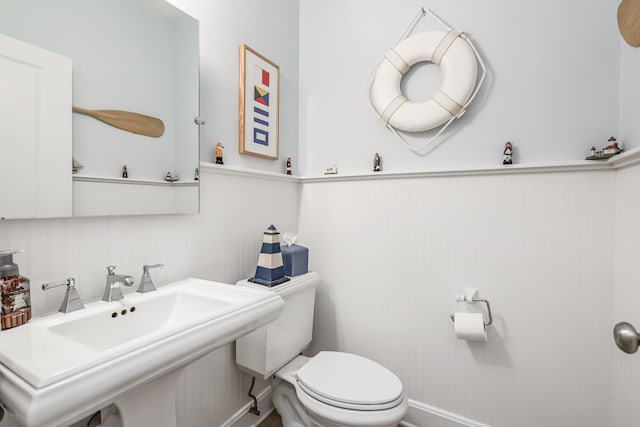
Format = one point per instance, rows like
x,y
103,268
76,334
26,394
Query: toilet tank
x,y
267,349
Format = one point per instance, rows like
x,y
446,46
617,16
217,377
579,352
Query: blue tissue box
x,y
295,259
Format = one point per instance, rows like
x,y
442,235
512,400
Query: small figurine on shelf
x,y
377,163
507,154
612,149
196,175
75,165
125,173
168,177
331,170
219,148
288,166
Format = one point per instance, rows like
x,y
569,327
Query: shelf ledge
x,y
623,160
206,167
87,178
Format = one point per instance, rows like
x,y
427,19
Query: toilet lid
x,y
349,381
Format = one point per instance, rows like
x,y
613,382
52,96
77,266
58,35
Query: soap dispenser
x,y
15,293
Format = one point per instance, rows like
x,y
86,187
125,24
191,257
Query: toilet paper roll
x,y
470,326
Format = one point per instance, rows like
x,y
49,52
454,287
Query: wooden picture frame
x,y
259,105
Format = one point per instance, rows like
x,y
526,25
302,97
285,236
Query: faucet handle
x,y
70,282
71,300
146,267
146,283
111,270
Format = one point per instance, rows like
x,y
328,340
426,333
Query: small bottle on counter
x,y
14,291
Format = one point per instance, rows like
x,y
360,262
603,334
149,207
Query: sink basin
x,y
60,367
139,318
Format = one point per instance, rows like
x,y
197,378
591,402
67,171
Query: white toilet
x,y
331,389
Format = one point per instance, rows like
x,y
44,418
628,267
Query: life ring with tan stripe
x,y
457,59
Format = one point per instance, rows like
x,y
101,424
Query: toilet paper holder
x,y
470,296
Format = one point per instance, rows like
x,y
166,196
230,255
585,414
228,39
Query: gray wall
x,y
629,94
271,28
552,87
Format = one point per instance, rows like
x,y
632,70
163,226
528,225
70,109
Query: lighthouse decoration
x,y
270,270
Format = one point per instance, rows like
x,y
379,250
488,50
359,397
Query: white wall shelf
x,y
87,178
206,167
625,159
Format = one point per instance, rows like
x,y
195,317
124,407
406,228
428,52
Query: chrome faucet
x,y
113,288
71,301
146,283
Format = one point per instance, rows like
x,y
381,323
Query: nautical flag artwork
x,y
259,112
260,136
262,76
261,96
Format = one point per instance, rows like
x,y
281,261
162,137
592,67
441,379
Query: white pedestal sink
x,y
60,368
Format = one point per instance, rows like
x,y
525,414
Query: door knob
x,y
626,337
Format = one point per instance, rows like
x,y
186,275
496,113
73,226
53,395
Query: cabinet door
x,y
35,132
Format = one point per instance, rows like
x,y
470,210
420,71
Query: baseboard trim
x,y
243,418
421,414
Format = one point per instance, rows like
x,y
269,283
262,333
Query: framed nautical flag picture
x,y
259,104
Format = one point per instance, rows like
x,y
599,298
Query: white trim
x,y
626,159
88,178
242,418
206,167
421,414
576,166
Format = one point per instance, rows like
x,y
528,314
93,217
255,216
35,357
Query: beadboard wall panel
x,y
393,254
222,243
626,296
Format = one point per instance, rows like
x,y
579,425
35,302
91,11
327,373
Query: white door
x,y
35,132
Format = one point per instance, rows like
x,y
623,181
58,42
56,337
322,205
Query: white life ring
x,y
448,49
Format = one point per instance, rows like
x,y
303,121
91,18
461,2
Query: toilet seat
x,y
350,382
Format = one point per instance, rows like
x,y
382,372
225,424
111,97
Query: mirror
x,y
139,56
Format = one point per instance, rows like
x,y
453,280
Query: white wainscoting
x,y
242,418
420,414
626,298
120,196
393,253
222,244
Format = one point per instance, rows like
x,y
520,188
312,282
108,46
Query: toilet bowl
x,y
331,389
338,389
